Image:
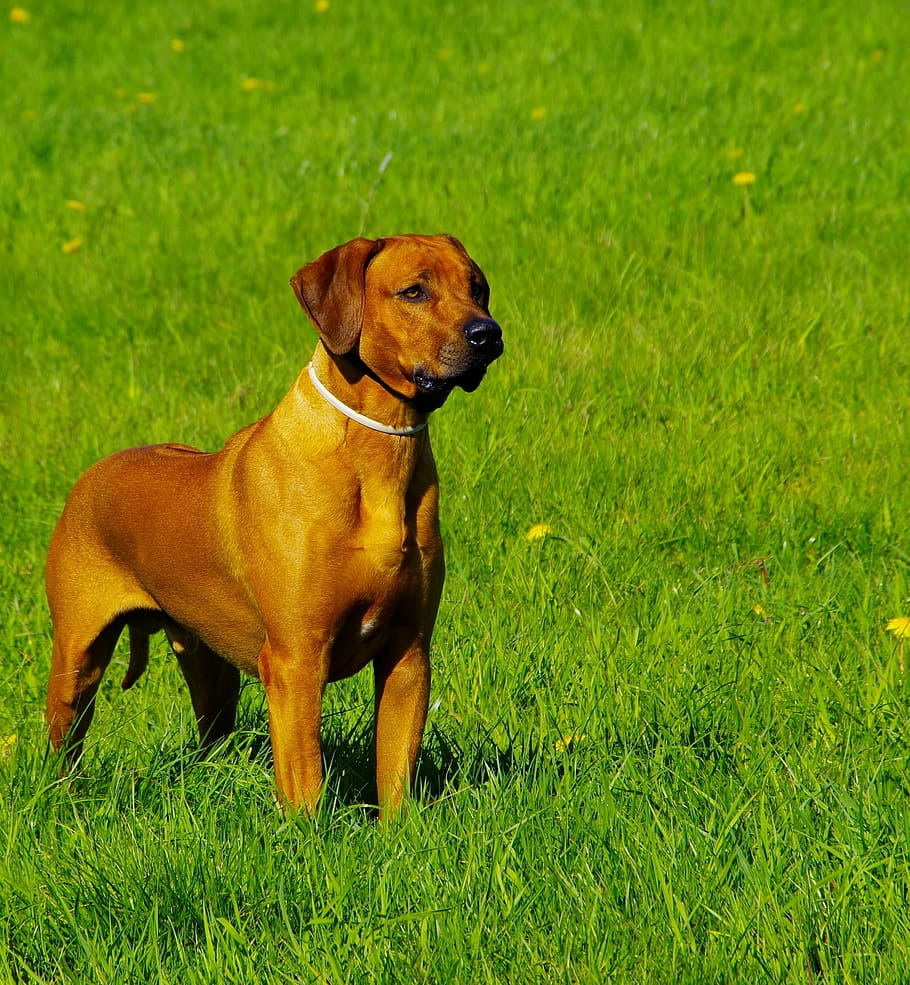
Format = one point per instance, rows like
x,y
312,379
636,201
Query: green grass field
x,y
669,739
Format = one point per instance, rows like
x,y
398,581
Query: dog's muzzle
x,y
484,338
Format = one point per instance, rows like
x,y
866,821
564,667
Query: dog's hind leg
x,y
214,686
76,671
139,655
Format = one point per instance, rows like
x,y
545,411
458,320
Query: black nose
x,y
485,335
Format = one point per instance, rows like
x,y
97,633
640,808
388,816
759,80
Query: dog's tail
x,y
139,656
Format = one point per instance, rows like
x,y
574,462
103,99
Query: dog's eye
x,y
413,293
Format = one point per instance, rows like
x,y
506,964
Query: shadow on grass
x,y
240,769
446,763
148,776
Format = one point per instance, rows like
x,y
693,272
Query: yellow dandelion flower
x,y
76,205
321,6
177,45
900,627
6,744
539,531
71,245
146,98
743,178
19,15
539,113
249,84
566,742
758,609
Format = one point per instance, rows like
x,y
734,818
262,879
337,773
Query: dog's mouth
x,y
458,365
432,390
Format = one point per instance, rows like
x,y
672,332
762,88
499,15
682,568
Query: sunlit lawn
x,y
668,737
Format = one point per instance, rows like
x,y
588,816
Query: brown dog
x,y
304,549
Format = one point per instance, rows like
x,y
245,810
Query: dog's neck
x,y
354,391
362,419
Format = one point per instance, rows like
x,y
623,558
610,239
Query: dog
x,y
306,548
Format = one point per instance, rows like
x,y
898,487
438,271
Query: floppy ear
x,y
330,290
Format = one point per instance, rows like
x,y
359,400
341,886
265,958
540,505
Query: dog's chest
x,y
366,627
388,574
388,577
386,538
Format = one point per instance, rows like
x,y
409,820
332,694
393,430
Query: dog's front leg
x,y
402,693
294,688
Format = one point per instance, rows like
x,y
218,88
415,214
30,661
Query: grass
x,y
669,740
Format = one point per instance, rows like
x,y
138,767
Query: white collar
x,y
368,422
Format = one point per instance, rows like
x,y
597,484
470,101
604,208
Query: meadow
x,y
669,732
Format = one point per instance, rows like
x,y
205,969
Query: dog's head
x,y
413,309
